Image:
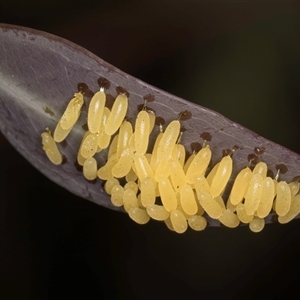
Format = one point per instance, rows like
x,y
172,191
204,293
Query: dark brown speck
x,y
206,136
149,98
196,147
159,121
185,115
103,83
282,168
121,90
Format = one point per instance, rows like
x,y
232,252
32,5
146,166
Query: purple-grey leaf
x,y
39,74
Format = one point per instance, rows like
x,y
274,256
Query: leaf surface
x,y
39,74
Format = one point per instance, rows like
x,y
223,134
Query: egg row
x,y
160,183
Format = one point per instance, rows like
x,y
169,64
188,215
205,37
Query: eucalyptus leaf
x,y
39,74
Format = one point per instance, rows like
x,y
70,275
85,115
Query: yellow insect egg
x,y
222,176
261,168
131,185
103,138
89,145
197,223
210,205
109,184
293,212
211,175
188,162
124,164
179,206
294,187
200,210
105,172
201,184
72,112
188,201
268,195
143,169
131,143
98,148
253,194
129,199
90,168
199,164
80,158
168,140
148,194
131,176
60,134
157,212
240,186
242,215
152,120
220,201
163,169
50,148
178,221
257,224
113,146
177,175
169,224
139,215
283,198
167,194
229,219
141,132
95,111
154,158
117,114
230,206
116,198
125,133
148,156
179,154
139,200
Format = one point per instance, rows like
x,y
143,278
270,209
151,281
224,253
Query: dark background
x,y
239,58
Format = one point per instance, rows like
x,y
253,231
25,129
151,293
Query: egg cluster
x,y
160,183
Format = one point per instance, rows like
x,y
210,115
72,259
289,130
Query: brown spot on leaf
x,y
103,83
226,152
84,89
259,150
282,168
185,115
196,147
159,121
206,136
253,159
142,106
121,90
296,178
149,98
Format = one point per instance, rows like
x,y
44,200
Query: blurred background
x,y
238,58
